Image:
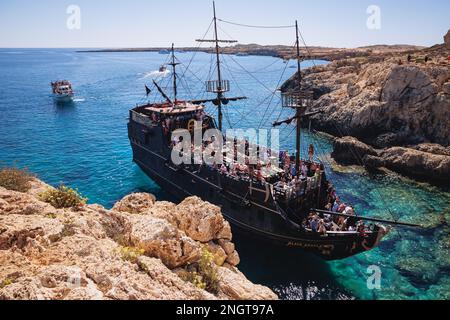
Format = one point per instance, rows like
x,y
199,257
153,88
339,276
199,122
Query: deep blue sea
x,y
85,145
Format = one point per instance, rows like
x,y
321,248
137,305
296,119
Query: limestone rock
x,y
200,220
236,287
386,104
158,272
447,39
220,256
409,100
50,254
227,245
162,240
233,258
136,203
433,148
418,164
446,88
12,202
350,150
20,231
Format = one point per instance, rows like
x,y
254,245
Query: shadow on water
x,y
293,274
64,107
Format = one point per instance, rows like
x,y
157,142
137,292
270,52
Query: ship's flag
x,y
147,89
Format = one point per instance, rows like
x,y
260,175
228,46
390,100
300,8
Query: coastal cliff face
x,y
386,101
141,249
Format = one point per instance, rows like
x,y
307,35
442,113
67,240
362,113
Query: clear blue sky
x,y
142,23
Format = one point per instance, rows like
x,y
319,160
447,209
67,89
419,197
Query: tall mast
x,y
219,86
174,66
219,74
298,99
298,110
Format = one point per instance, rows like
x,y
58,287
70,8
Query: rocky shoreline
x,y
425,162
141,249
394,106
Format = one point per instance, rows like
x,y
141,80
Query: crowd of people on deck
x,y
345,218
284,176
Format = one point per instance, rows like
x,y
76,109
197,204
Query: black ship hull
x,y
249,209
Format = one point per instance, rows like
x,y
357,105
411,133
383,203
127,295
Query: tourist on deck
x,y
336,204
321,228
281,184
349,210
293,170
304,170
260,177
287,162
331,194
223,169
361,228
165,129
154,117
314,224
311,152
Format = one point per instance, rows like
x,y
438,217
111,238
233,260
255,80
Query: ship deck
x,y
169,109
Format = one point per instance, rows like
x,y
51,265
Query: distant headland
x,y
286,52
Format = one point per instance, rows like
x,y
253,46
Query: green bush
x,y
203,274
5,283
15,179
131,254
63,197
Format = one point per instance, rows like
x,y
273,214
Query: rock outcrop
x,y
424,162
350,151
447,40
134,251
386,104
385,101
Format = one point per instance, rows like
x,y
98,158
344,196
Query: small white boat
x,y
162,69
62,90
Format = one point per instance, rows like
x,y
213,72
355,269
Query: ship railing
x,y
293,192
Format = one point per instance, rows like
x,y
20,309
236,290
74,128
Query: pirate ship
x,y
287,203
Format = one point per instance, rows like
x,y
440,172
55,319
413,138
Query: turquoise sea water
x,y
85,145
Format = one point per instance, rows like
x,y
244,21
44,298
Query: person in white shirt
x,y
349,210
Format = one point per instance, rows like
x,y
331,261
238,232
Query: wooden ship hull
x,y
63,97
249,208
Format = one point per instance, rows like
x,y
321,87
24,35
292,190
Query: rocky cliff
x,y
447,39
141,249
384,103
385,100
